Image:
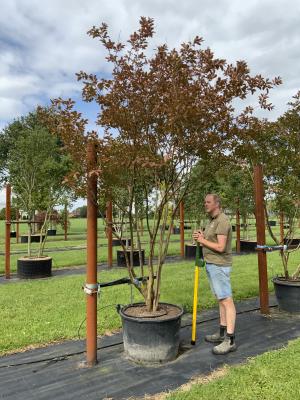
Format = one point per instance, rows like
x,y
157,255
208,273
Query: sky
x,y
44,43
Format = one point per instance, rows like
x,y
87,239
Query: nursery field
x,y
42,311
72,252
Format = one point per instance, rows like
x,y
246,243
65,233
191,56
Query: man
x,y
216,243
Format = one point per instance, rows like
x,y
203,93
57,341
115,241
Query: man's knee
x,y
226,300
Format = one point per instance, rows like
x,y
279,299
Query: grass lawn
x,y
273,375
77,239
42,311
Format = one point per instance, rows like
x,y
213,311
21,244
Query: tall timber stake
x,y
261,239
91,286
7,231
238,227
181,217
109,233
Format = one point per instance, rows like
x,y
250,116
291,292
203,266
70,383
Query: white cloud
x,y
43,44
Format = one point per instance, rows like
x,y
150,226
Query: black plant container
x,y
151,340
51,232
121,258
190,251
13,234
287,294
124,241
32,268
248,246
292,242
34,238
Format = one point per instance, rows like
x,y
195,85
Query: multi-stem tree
x,y
162,111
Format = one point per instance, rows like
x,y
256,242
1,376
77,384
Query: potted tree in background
x,y
161,114
284,182
275,145
36,168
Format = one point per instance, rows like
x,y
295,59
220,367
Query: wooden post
x,y
238,228
142,227
7,231
109,233
66,222
91,273
181,217
281,219
261,239
17,225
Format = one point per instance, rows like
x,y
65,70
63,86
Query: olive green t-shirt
x,y
219,225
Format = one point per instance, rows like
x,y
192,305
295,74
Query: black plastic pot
x,y
34,238
292,242
121,258
287,294
272,223
190,251
51,232
151,340
187,227
233,228
32,268
117,242
248,246
13,234
176,230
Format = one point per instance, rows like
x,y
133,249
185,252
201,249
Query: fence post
x,y
261,239
91,273
181,217
7,231
109,233
281,216
238,227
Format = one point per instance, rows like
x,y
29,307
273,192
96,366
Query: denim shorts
x,y
219,280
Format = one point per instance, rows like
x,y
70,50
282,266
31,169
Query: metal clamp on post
x,y
91,288
270,248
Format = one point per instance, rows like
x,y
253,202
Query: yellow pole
x,y
194,320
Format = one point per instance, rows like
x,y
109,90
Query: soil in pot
x,y
151,338
121,258
34,267
288,294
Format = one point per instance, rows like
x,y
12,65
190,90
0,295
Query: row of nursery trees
x,y
171,133
34,162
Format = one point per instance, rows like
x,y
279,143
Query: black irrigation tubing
x,y
66,356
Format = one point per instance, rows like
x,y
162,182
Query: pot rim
x,y
281,280
32,258
150,320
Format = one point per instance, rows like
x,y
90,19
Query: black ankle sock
x,y
223,330
231,336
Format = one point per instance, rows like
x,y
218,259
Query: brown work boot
x,y
225,347
215,338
